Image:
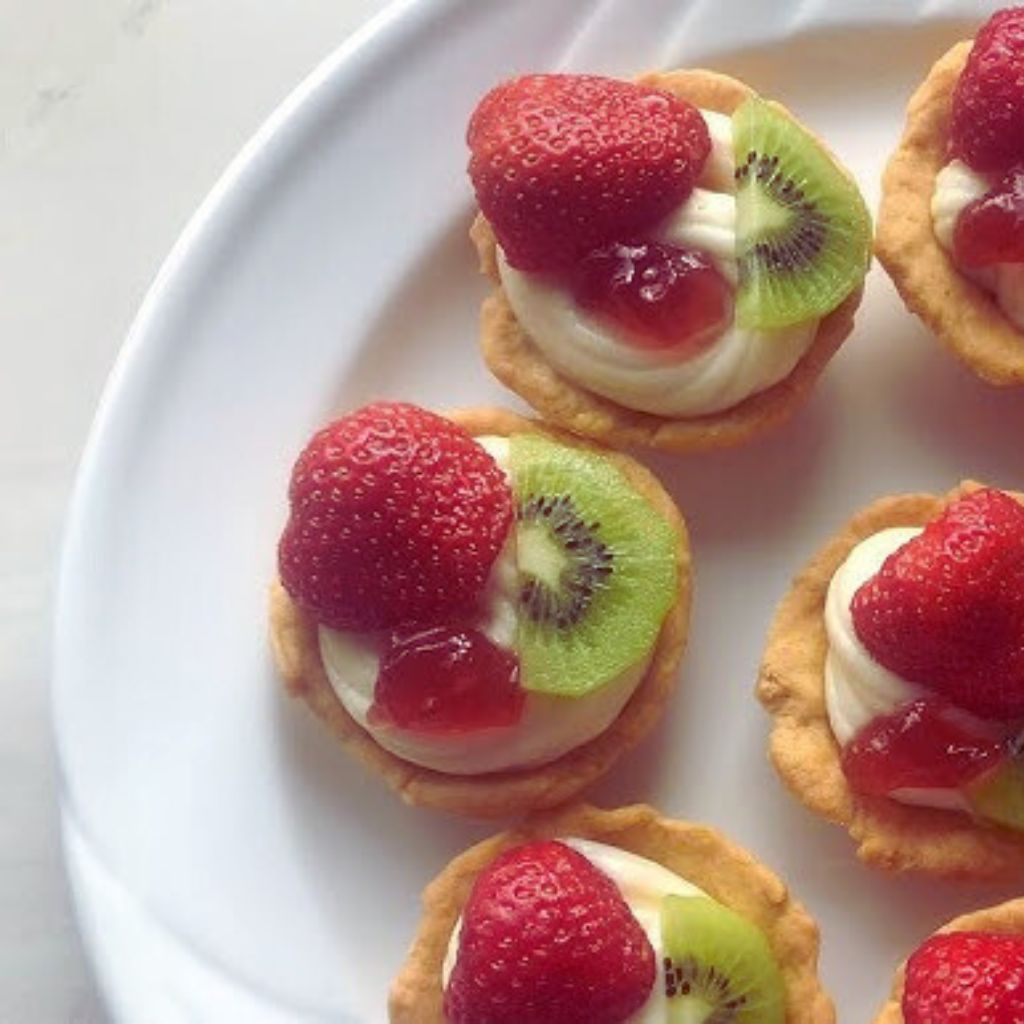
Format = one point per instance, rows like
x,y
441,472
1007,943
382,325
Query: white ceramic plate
x,y
229,861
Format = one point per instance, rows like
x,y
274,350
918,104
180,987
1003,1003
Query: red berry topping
x,y
966,978
991,229
659,296
445,680
987,129
946,610
548,937
926,744
397,515
563,164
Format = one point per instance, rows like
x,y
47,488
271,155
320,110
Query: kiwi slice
x,y
719,967
803,233
597,568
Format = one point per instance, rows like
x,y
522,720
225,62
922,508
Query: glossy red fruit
x,y
946,610
397,515
547,937
987,127
660,296
562,164
966,978
446,681
991,229
925,744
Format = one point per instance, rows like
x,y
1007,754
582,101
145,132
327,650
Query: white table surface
x,y
116,117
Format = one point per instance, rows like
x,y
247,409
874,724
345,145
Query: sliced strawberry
x,y
397,515
987,128
925,744
563,164
446,681
946,610
966,978
547,937
660,296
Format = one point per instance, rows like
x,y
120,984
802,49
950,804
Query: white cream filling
x,y
956,186
739,363
549,726
857,688
643,884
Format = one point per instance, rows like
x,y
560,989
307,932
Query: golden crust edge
x,y
803,749
705,856
516,361
1005,918
963,316
296,653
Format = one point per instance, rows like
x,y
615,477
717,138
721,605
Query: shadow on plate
x,y
423,347
944,406
741,494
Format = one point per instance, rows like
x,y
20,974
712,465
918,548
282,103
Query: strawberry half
x,y
397,516
987,127
546,936
563,164
946,610
966,978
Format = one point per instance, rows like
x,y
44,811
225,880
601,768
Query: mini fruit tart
x,y
951,222
894,671
675,260
587,916
484,611
969,972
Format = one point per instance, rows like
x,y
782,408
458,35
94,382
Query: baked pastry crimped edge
x,y
293,637
699,853
516,361
805,753
961,314
1006,918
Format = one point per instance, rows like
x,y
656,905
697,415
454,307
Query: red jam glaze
x,y
991,229
662,297
446,681
925,744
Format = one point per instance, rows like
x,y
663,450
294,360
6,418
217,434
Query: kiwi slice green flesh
x,y
998,795
719,968
597,568
803,233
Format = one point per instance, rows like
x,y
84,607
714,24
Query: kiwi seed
x,y
590,562
798,247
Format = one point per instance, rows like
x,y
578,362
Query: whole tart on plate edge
x,y
806,754
961,314
296,651
517,362
1003,919
699,853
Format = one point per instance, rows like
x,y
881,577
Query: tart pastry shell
x,y
791,686
698,853
520,365
964,317
296,650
